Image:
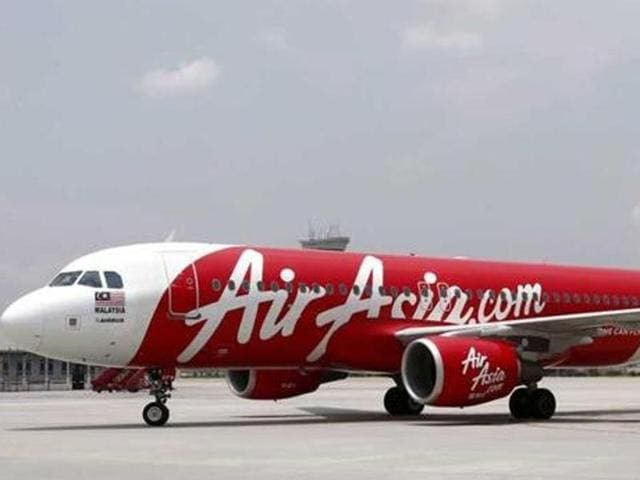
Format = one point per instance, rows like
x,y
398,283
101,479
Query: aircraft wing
x,y
578,326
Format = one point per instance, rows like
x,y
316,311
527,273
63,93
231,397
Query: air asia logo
x,y
436,301
250,264
489,380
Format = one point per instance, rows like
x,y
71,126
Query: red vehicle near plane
x,y
447,332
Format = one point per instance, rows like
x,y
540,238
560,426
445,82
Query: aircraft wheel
x,y
398,402
413,407
543,404
519,404
155,414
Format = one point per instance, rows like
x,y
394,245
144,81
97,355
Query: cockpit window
x,y
65,279
91,279
114,280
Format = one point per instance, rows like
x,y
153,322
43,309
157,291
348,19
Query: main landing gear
x,y
532,402
156,413
398,402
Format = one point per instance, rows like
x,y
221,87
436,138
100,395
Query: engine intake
x,y
458,372
278,384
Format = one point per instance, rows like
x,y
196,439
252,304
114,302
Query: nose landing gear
x,y
156,413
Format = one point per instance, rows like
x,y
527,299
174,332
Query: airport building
x,y
329,239
21,371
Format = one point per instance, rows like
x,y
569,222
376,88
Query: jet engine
x,y
278,384
458,372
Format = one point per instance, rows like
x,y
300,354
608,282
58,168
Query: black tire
x,y
519,404
413,407
392,401
398,402
155,414
543,404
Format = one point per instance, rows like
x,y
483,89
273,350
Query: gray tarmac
x,y
341,431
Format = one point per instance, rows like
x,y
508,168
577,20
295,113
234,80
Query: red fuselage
x,y
263,307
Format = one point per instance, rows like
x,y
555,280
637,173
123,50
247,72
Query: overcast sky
x,y
486,128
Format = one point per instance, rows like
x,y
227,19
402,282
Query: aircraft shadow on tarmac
x,y
331,415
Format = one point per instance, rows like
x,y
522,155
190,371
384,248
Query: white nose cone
x,y
22,323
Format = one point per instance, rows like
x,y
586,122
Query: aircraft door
x,y
182,278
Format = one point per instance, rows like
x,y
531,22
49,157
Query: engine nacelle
x,y
277,384
458,372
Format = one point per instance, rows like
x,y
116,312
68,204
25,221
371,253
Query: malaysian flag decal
x,y
109,302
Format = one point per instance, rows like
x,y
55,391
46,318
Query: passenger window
x,y
316,288
216,285
587,298
65,279
274,286
303,287
91,279
382,290
231,285
367,291
605,299
576,298
566,298
342,288
394,292
596,299
556,297
616,301
625,301
260,285
113,279
356,290
634,301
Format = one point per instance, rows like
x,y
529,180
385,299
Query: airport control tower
x,y
326,239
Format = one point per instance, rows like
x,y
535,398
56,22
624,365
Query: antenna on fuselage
x,y
170,237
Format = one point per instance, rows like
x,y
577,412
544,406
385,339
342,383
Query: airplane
x,y
448,332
